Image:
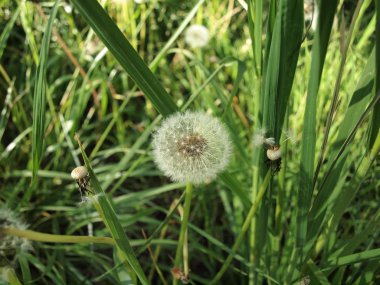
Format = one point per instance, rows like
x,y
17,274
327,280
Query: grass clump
x,y
284,111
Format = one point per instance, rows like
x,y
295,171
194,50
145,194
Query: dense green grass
x,y
315,91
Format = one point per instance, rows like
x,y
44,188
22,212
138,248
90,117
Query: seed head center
x,y
192,145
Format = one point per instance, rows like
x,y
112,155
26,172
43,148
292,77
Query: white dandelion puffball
x,y
197,36
191,147
10,245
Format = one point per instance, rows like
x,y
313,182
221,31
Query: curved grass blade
x,y
105,209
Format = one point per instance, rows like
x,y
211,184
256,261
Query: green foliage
x,y
112,70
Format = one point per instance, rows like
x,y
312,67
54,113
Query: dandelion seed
x,y
247,46
10,246
259,138
199,147
197,36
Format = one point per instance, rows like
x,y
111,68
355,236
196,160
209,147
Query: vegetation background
x,y
315,92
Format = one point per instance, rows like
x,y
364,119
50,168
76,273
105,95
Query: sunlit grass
x,y
113,84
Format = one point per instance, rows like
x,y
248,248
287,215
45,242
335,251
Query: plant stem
x,y
182,234
247,223
37,236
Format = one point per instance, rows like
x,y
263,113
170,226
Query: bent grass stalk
x,y
43,237
247,223
109,218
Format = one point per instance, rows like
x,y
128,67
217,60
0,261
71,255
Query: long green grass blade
x,y
39,98
373,254
123,51
322,35
291,12
106,210
375,124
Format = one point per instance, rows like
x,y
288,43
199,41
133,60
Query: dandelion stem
x,y
183,232
43,237
247,223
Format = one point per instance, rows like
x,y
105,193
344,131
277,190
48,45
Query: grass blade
x,y
325,21
360,99
375,124
105,209
39,98
123,51
372,254
7,31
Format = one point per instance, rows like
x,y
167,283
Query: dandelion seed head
x,y
197,36
191,147
10,245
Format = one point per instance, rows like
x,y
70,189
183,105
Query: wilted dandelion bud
x,y
274,153
80,174
197,36
11,245
191,147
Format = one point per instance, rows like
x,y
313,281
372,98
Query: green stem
x,y
244,229
37,236
183,232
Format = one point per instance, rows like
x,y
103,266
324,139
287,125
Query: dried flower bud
x,y
274,153
191,147
79,172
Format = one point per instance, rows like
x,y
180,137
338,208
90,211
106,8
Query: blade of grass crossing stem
x,y
359,100
124,53
39,98
373,254
375,124
322,35
113,224
233,184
